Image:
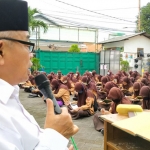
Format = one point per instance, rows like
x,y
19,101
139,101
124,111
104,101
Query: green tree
x,y
33,23
35,64
124,65
145,18
74,48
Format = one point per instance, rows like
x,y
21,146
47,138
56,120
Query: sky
x,y
113,15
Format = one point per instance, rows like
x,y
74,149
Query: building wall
x,y
64,46
132,44
115,44
130,49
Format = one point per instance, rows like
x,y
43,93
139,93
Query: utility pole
x,y
139,22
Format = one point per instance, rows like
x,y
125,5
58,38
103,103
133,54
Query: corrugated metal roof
x,y
122,38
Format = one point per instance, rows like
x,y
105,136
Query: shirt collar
x,y
7,90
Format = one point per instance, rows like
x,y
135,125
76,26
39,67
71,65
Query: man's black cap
x,y
13,15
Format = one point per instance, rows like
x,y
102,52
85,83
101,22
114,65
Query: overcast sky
x,y
122,9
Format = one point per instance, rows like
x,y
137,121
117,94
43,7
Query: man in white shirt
x,y
18,129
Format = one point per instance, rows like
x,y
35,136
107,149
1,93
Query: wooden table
x,y
117,139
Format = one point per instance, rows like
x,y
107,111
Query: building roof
x,y
123,38
38,15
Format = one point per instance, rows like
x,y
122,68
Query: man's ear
x,y
1,53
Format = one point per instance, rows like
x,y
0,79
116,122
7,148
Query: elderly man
x,y
18,129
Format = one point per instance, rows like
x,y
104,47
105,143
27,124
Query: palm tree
x,y
35,24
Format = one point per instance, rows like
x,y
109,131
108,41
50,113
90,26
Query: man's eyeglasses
x,y
29,44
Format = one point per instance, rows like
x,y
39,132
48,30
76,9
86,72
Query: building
x,y
136,46
60,37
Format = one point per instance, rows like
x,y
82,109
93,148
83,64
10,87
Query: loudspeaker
x,y
148,55
136,66
136,60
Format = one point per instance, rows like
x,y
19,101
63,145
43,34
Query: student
x,y
136,76
94,77
90,85
109,85
145,93
128,86
66,81
110,75
145,81
137,87
116,95
61,92
104,80
18,129
85,102
59,75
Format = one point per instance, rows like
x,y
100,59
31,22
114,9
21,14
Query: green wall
x,y
68,62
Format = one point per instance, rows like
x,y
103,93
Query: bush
x,y
124,65
74,48
35,64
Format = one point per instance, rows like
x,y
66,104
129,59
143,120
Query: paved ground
x,y
86,139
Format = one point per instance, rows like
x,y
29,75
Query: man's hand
x,y
62,123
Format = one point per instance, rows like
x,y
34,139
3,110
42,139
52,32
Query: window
x,y
140,52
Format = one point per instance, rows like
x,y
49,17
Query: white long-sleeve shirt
x,y
19,130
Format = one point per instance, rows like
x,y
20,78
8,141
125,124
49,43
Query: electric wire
x,y
92,11
84,25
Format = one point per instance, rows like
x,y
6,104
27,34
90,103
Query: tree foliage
x,y
33,23
124,65
35,64
74,48
145,18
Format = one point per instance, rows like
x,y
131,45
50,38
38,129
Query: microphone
x,y
44,86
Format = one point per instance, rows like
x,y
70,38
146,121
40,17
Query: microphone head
x,y
40,79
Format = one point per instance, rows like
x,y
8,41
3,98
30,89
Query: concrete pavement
x,y
86,139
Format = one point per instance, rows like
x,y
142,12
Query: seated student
x,y
109,85
85,102
137,87
90,85
145,81
26,86
132,79
101,93
65,80
110,75
117,80
127,85
59,75
125,73
107,88
145,93
99,83
77,76
104,80
136,76
50,77
94,77
61,92
72,78
117,96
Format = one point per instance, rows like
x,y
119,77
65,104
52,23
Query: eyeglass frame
x,y
20,41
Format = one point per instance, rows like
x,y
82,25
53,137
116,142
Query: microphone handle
x,y
47,92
